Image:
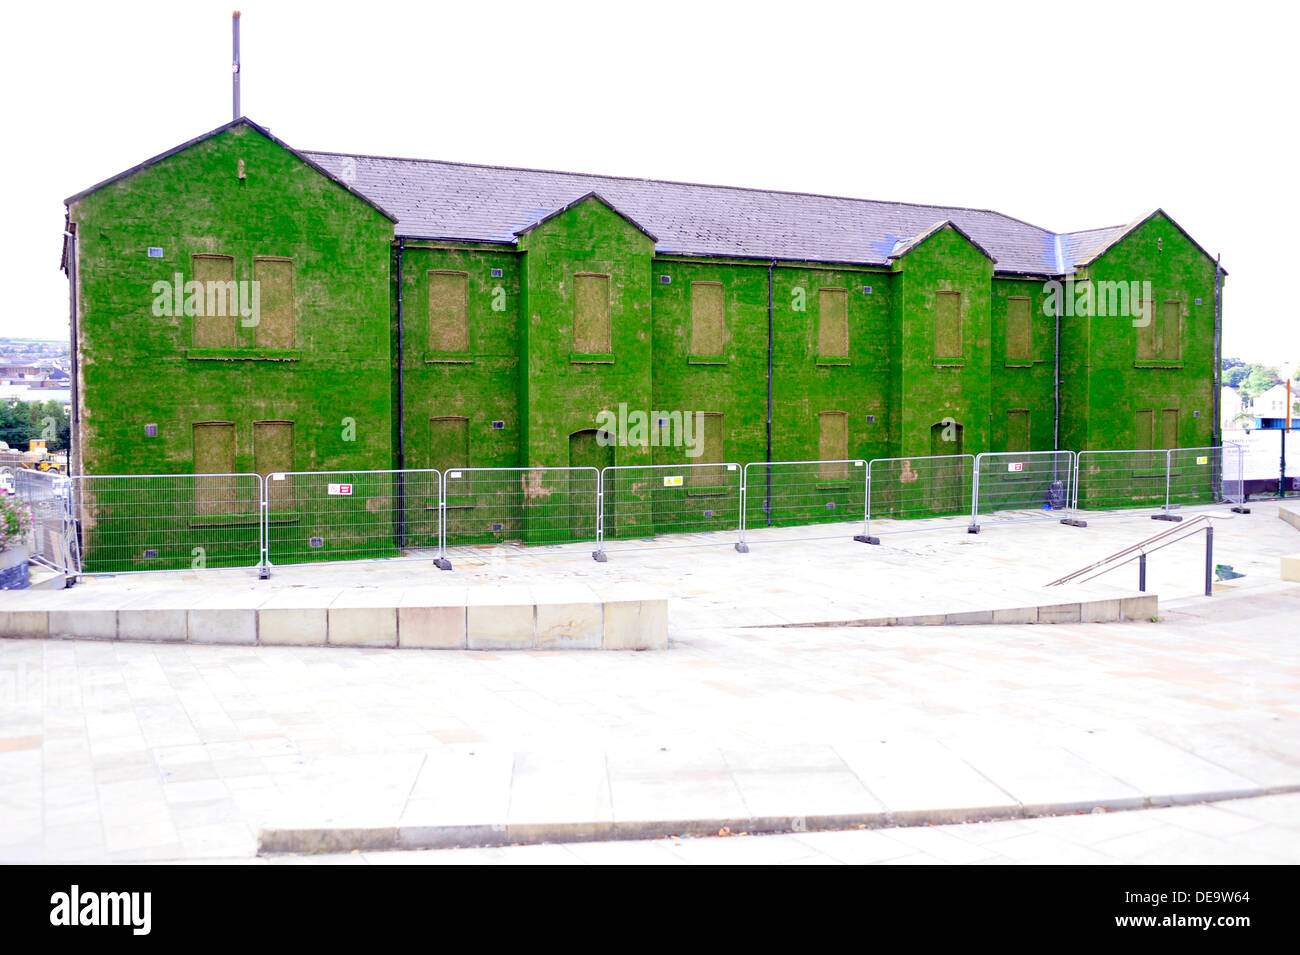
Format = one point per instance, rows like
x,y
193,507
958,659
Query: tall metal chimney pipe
x,y
234,27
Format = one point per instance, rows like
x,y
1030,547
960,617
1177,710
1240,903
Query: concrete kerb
x,y
565,616
1109,609
311,840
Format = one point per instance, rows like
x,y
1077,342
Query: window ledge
x,y
831,361
1157,363
224,520
706,360
448,358
244,354
591,358
950,363
1018,364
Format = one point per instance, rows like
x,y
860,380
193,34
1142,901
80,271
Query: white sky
x,y
1069,116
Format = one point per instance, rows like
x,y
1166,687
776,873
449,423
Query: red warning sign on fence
x,y
1016,466
344,489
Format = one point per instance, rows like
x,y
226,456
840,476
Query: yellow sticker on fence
x,y
674,481
1203,459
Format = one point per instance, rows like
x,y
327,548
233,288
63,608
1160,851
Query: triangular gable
x,y
1125,231
907,245
241,121
581,199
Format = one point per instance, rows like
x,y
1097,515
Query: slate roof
x,y
432,199
449,200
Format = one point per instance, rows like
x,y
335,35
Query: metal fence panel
x,y
1018,486
1204,476
352,515
141,522
1115,480
643,501
552,506
919,487
53,537
801,493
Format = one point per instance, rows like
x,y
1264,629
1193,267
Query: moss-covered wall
x,y
936,389
479,384
530,397
139,368
1116,382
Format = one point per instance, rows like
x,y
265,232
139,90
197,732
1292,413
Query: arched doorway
x,y
589,448
947,476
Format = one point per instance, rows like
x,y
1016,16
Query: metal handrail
x,y
1127,553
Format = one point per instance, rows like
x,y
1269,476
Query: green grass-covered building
x,y
419,314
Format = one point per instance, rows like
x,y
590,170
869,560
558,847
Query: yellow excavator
x,y
37,458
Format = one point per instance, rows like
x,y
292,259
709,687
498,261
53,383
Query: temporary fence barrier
x,y
53,535
1020,486
918,487
494,506
141,522
1118,480
132,523
352,515
1203,476
822,494
642,502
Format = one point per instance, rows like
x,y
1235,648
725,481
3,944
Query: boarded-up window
x,y
1144,430
833,323
276,305
709,433
1019,330
708,319
449,451
947,325
214,453
448,311
1147,347
1169,428
273,454
833,445
591,334
1171,331
215,327
1144,436
1018,429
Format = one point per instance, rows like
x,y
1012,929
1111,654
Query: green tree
x,y
21,421
1259,380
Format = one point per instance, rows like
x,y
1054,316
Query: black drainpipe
x,y
74,424
767,501
401,416
1217,440
1056,381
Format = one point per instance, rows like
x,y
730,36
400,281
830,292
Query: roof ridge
x,y
677,182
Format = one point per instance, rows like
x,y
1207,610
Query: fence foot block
x,y
742,547
973,529
264,573
1074,522
442,563
866,539
1241,509
1165,517
600,557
